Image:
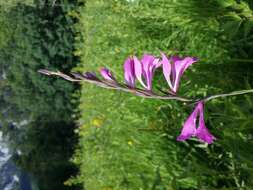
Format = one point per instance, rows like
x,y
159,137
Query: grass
x,y
118,133
127,142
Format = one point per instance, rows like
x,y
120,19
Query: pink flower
x,y
145,69
174,68
190,130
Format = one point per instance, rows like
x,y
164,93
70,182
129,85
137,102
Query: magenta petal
x,y
138,70
189,61
189,128
204,135
147,61
178,68
148,66
202,132
157,63
106,74
166,69
129,73
145,69
174,59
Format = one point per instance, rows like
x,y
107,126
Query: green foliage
x,y
39,36
8,27
43,38
129,143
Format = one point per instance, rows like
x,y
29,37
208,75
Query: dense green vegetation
x,y
127,142
43,39
39,35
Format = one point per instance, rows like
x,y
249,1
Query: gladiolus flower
x,y
190,130
174,68
145,69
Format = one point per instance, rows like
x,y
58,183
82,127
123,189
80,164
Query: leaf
x,y
188,182
231,26
226,3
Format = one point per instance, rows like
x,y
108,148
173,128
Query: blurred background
x,y
57,135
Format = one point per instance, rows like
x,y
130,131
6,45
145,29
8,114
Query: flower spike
x,y
143,71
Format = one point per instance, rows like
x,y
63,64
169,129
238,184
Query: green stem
x,y
235,93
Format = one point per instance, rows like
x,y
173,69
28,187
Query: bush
x,y
43,38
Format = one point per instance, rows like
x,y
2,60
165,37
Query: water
x,y
11,177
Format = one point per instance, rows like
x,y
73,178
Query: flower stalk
x,y
143,71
